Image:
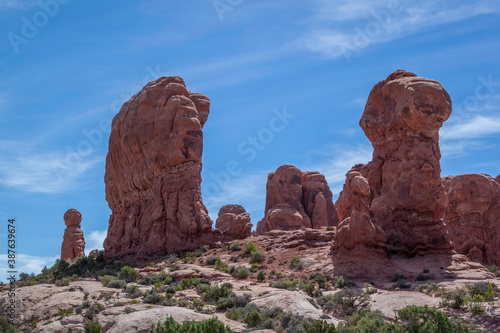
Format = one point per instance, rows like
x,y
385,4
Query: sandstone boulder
x,y
234,221
473,216
153,171
73,245
295,200
402,118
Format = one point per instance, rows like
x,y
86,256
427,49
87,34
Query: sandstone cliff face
x,y
234,221
473,216
402,118
295,200
153,171
73,245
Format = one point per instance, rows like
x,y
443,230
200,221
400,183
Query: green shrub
x,y
296,264
401,284
253,318
321,326
65,313
210,261
475,304
92,327
153,297
235,246
423,277
188,283
271,259
323,282
257,257
493,269
346,301
454,299
212,325
397,276
261,276
116,283
129,274
249,248
428,288
62,282
485,289
340,282
232,301
290,285
240,272
133,291
106,279
425,319
215,293
221,266
309,288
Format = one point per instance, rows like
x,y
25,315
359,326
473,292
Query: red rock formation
x,y
498,179
73,245
296,200
402,118
473,215
153,171
359,247
234,221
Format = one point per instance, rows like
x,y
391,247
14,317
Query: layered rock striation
x,y
295,200
73,245
153,171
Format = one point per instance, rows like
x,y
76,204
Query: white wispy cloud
x,y
18,4
344,28
53,172
25,264
474,128
95,240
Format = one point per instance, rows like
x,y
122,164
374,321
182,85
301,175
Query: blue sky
x,y
67,66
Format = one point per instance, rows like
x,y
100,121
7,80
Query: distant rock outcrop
x,y
295,200
234,221
73,245
473,216
153,171
359,247
402,119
